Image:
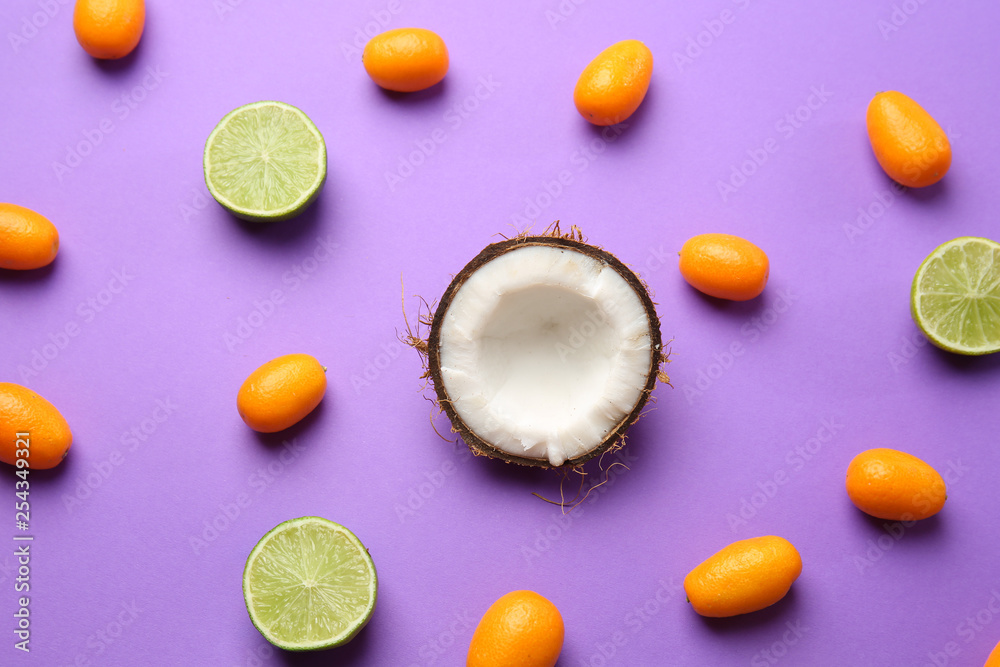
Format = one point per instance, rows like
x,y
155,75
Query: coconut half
x,y
544,350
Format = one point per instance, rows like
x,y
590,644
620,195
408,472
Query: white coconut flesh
x,y
544,350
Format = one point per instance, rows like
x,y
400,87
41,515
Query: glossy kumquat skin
x,y
614,84
521,628
28,240
109,29
724,266
406,59
908,143
890,484
745,576
993,660
22,411
281,393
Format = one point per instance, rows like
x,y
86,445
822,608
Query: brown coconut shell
x,y
572,241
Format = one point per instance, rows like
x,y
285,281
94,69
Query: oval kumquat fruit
x,y
28,240
745,576
890,484
614,84
724,266
22,411
909,144
109,29
993,659
406,59
281,393
521,628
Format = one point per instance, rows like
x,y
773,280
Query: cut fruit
x,y
309,584
544,350
265,161
955,298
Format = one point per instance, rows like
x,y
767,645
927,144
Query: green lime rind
x,y
309,584
955,296
265,161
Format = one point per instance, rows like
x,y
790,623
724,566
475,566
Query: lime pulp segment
x,y
265,161
955,298
309,584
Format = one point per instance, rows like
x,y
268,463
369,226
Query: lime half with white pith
x,y
955,298
309,584
265,161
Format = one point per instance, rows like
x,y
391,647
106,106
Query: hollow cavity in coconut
x,y
544,350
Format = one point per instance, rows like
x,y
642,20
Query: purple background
x,y
187,301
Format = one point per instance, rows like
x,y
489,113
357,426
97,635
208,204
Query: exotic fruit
x,y
544,350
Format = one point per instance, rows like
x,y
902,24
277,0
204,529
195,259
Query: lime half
x,y
955,299
309,584
265,161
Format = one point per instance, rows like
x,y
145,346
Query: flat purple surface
x,y
141,534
